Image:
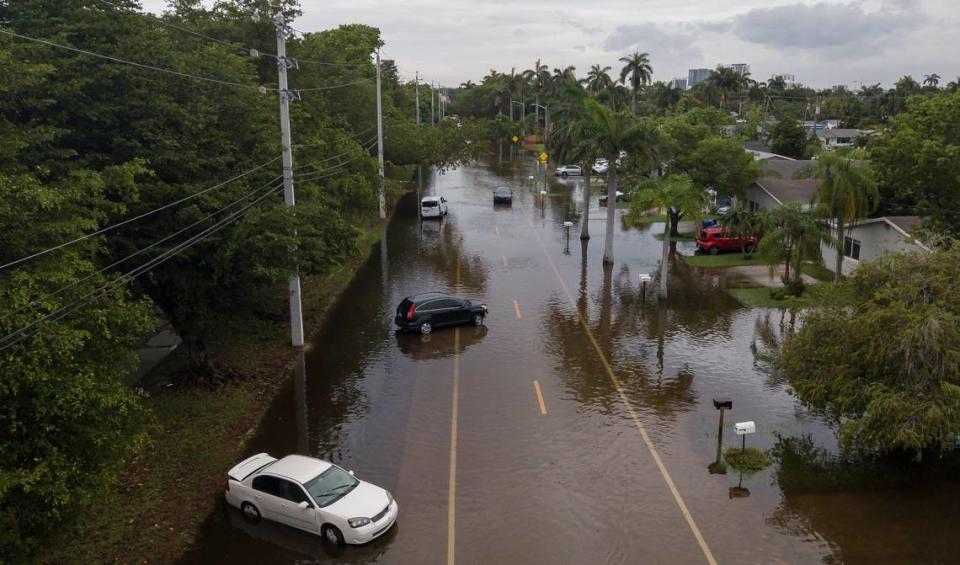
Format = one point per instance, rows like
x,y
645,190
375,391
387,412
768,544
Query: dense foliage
x,y
87,143
883,364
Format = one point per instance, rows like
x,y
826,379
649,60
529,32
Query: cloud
x,y
672,45
825,26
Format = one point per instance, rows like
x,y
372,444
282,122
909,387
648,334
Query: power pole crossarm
x,y
296,312
382,199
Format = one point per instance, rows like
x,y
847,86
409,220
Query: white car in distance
x,y
433,207
568,170
312,495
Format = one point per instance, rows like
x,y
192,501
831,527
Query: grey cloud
x,y
825,25
661,44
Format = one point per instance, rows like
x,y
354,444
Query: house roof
x,y
838,132
788,190
785,169
757,146
906,223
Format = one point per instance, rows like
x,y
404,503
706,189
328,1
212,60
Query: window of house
x,y
851,248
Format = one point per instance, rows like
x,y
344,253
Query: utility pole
x,y
416,90
286,95
433,114
383,204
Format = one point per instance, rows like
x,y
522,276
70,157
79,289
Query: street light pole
x,y
382,197
296,312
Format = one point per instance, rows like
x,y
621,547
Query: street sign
x,y
543,156
515,139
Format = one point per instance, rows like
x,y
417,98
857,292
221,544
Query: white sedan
x,y
312,495
568,170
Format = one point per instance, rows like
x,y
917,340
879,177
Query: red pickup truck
x,y
716,239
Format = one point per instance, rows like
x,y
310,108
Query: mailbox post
x,y
744,429
644,279
720,404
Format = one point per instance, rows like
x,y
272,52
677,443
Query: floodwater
x,y
613,466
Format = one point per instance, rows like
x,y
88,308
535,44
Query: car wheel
x,y
564,174
478,319
714,250
749,249
331,534
426,328
250,512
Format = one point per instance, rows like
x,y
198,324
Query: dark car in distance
x,y
502,195
424,312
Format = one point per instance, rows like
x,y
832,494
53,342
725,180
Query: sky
x,y
823,43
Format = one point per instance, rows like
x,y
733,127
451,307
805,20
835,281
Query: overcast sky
x,y
823,43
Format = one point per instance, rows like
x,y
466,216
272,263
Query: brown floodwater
x,y
579,483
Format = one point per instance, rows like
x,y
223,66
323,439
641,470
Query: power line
x,y
136,64
325,142
132,255
335,86
365,145
141,216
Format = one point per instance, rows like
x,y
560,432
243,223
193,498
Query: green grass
x,y
682,236
654,219
746,460
723,260
818,272
760,297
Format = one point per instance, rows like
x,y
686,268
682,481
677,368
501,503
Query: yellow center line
x,y
516,308
543,405
633,414
452,493
504,261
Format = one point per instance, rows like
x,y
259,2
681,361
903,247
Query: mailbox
x,y
568,224
723,403
543,193
744,428
644,277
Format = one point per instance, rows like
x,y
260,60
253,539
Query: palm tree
x,y
517,82
664,95
846,193
676,194
726,80
793,235
538,76
468,85
931,80
744,224
954,85
598,79
637,67
777,83
612,132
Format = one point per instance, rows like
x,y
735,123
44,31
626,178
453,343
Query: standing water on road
x,y
526,440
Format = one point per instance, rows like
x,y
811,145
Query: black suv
x,y
423,312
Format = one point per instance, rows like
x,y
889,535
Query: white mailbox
x,y
744,428
543,193
644,277
568,224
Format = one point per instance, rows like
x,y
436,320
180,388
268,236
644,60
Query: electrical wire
x,y
365,145
136,64
141,216
335,86
132,255
352,137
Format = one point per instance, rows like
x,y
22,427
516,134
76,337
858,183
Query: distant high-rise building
x,y
696,76
741,68
789,79
680,83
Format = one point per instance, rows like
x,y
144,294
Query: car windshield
x,y
503,191
429,204
331,485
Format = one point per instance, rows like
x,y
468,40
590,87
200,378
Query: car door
x,y
292,495
452,311
266,495
427,310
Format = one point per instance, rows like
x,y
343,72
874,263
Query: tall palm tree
x,y
846,193
611,133
931,80
676,194
538,76
637,67
726,80
598,79
518,82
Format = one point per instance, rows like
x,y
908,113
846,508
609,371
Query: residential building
x,y
696,76
741,68
869,239
680,83
770,193
837,137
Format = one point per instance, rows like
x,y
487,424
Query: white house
x,y
872,238
837,137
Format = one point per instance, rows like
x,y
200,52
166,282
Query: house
x,y
838,137
763,152
869,239
770,193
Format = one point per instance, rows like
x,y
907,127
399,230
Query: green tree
x,y
845,194
679,197
788,138
744,224
610,134
792,235
726,81
893,384
637,67
598,80
917,161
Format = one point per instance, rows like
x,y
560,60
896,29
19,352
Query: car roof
x,y
298,467
426,296
502,188
429,198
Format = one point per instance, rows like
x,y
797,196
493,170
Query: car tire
x,y
250,513
426,328
331,534
564,174
478,319
714,250
748,249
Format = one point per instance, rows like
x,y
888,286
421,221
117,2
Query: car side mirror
x,y
304,505
351,473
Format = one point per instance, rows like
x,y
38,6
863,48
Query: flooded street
x,y
577,425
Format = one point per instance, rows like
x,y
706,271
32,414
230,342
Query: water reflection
x,y
440,344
